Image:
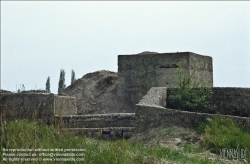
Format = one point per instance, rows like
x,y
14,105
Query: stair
x,y
110,126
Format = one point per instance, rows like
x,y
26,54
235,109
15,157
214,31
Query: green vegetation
x,y
48,85
61,83
25,134
187,148
22,88
201,127
191,95
221,132
169,131
73,78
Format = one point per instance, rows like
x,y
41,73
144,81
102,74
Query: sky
x,y
40,38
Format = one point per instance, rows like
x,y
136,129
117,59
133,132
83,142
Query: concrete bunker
x,y
138,73
142,96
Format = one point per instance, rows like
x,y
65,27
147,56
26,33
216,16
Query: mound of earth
x,y
96,92
5,91
172,136
175,137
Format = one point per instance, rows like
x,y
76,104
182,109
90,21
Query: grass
x,y
221,132
25,134
168,131
201,127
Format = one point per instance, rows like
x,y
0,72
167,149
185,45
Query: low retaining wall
x,y
232,101
96,120
228,101
38,106
151,115
109,133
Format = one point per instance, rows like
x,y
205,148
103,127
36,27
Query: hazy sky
x,y
39,38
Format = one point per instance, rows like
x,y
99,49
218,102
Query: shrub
x,y
192,95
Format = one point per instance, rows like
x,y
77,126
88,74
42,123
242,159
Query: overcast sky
x,y
40,38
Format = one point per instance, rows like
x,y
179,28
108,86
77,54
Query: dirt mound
x,y
147,53
96,92
5,91
172,136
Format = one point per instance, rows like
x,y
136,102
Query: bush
x,y
192,95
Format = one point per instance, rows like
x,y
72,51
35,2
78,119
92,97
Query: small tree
x,y
61,83
48,85
22,88
191,95
73,78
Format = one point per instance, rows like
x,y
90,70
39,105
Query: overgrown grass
x,y
201,127
221,132
25,134
168,131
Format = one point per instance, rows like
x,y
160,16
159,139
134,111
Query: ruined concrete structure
x,y
135,100
151,112
36,106
106,126
138,73
227,101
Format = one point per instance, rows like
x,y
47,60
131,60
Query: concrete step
x,y
96,120
107,133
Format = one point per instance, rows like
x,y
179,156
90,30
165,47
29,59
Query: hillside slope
x,y
96,92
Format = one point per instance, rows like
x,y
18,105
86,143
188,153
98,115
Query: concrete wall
x,y
138,73
156,96
228,101
151,115
37,106
232,101
96,120
65,105
108,133
203,66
